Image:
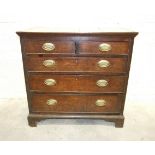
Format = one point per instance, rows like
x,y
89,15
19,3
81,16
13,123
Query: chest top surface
x,y
78,30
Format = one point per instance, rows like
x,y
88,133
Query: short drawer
x,y
76,64
76,103
48,46
90,47
77,83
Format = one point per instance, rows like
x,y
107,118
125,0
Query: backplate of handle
x,y
50,82
49,63
102,83
51,102
48,47
105,47
100,103
103,63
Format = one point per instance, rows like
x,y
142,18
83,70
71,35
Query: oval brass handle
x,y
103,63
100,103
102,83
50,82
48,46
49,63
104,47
51,102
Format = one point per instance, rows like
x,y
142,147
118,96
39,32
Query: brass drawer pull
x,y
100,103
103,63
48,46
49,63
50,82
102,83
104,47
51,102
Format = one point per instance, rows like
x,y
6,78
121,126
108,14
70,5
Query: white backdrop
x,y
137,15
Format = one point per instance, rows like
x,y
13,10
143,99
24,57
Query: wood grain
x,y
35,46
76,64
76,103
92,47
76,83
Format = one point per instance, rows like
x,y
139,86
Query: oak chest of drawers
x,y
76,75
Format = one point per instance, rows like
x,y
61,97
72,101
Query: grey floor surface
x,y
139,125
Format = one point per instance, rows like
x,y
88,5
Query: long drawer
x,y
76,64
74,83
76,103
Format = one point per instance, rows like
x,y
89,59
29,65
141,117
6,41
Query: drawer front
x,y
74,83
48,46
75,64
91,47
76,103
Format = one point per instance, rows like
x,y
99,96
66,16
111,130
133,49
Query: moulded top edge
x,y
78,30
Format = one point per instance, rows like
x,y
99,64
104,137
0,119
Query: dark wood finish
x,y
76,73
76,64
76,103
119,123
76,83
115,36
93,47
35,46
